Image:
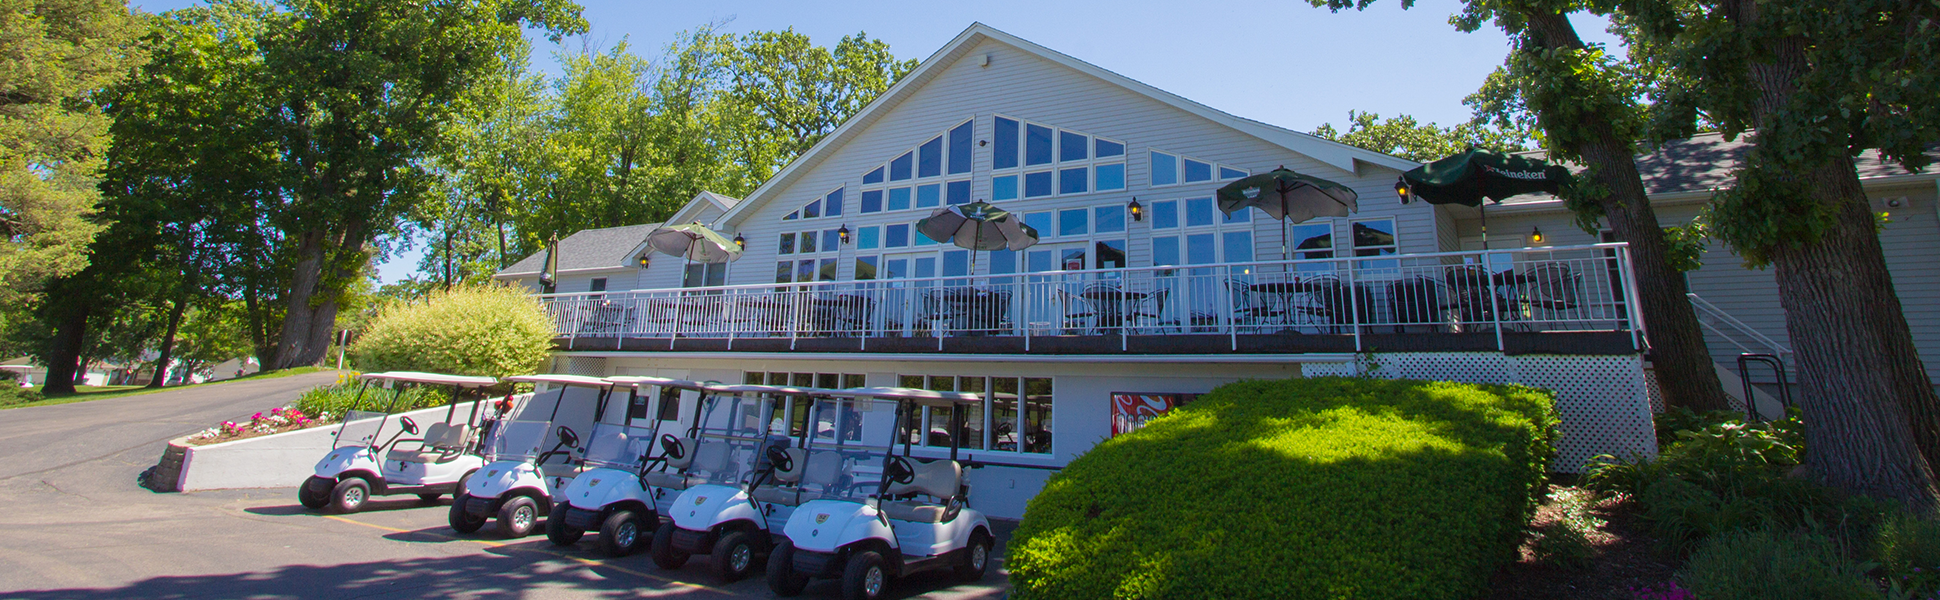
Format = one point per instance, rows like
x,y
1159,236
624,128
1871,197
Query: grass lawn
x,y
84,393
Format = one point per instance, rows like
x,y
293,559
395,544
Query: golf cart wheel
x,y
620,533
518,517
557,531
350,495
782,578
429,498
976,558
865,577
733,556
463,521
664,554
314,493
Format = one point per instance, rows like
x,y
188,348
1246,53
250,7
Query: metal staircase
x,y
1753,347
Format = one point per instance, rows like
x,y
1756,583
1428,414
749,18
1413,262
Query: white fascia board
x,y
1346,158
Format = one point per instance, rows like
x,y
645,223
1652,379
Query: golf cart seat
x,y
939,479
442,442
712,457
787,487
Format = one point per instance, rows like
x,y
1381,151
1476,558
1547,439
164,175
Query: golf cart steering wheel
x,y
567,437
670,447
898,470
779,459
410,426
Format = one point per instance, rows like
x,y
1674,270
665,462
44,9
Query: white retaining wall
x,y
279,460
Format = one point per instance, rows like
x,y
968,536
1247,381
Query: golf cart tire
x,y
429,498
350,495
974,566
557,531
724,558
508,517
317,499
461,520
620,533
782,578
856,576
664,554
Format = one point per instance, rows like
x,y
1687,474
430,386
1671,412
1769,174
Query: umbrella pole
x,y
1484,210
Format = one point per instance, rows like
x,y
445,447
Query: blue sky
x,y
1281,62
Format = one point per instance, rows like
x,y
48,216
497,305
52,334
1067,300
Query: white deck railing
x,y
1577,288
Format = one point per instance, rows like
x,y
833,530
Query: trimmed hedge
x,y
1327,487
491,330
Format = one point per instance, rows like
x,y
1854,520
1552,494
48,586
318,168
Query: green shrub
x,y
328,403
491,330
1907,549
1306,488
1765,564
12,393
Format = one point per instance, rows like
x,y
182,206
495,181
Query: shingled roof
x,y
608,248
1705,161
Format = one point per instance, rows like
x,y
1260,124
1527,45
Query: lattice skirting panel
x,y
586,365
1604,401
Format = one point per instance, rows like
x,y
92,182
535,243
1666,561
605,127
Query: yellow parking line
x,y
584,561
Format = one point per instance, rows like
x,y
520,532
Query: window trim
x,y
1055,168
942,181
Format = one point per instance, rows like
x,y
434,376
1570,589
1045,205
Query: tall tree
x,y
1816,82
54,54
1404,137
363,90
801,92
1589,110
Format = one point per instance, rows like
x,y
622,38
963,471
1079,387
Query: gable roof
x,y
693,209
1342,156
586,250
1702,163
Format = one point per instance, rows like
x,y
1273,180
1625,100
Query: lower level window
x,y
792,412
1014,416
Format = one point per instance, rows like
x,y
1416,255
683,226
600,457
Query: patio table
x,y
1111,304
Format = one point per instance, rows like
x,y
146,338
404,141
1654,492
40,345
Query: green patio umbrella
x,y
977,226
694,242
1290,197
1467,177
549,268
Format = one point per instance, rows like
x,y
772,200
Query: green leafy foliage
x,y
1767,564
329,403
491,330
1333,487
1404,137
1907,549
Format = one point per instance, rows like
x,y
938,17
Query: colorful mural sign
x,y
1131,410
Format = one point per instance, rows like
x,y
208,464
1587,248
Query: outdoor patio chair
x,y
1250,308
1471,294
1149,313
1552,289
1416,305
1079,318
1337,308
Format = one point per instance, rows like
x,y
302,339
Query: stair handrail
x,y
1708,309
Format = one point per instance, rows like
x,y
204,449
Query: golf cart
x,y
717,513
432,465
613,494
914,519
519,485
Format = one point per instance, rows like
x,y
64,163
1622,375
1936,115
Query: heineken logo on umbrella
x,y
1468,177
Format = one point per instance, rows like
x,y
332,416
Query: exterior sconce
x,y
843,233
740,242
644,262
1401,188
1138,212
1536,235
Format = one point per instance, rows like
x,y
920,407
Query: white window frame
x,y
1090,163
916,180
1218,228
1179,170
796,214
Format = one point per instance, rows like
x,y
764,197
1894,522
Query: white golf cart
x,y
521,482
915,519
717,514
612,494
432,465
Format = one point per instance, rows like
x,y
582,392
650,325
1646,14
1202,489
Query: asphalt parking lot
x,y
78,525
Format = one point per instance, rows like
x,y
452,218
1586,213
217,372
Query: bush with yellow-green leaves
x,y
491,330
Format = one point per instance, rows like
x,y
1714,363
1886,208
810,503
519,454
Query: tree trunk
x,y
260,341
168,344
64,351
1678,354
1862,385
308,323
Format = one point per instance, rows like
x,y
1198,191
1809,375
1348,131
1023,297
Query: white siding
x,y
1020,85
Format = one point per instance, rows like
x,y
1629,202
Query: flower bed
x,y
277,420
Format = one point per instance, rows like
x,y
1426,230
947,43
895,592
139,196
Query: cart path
x,y
78,526
39,439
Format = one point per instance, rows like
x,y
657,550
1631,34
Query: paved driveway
x,y
76,525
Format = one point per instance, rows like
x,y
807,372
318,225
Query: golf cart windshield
x,y
360,428
845,453
618,446
733,430
520,440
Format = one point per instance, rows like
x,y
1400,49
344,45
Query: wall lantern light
x,y
1138,212
1536,235
740,242
843,232
644,261
1401,188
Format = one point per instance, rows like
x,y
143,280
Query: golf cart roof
x,y
923,397
468,381
779,390
643,381
580,380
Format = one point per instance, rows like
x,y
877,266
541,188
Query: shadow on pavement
x,y
470,576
